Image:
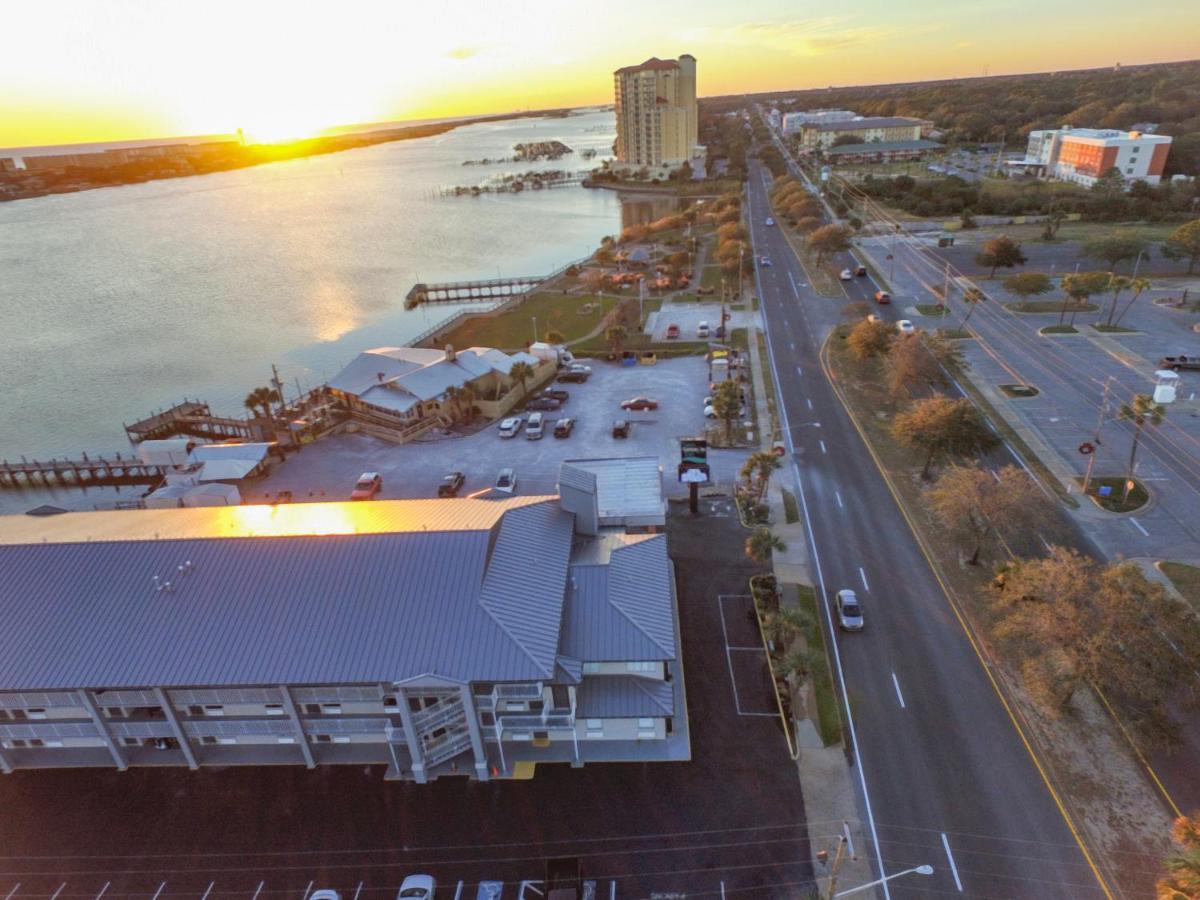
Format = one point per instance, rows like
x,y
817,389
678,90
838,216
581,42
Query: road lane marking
x,y
823,450
838,494
16,887
995,474
863,576
306,890
953,867
612,890
808,401
457,891
258,890
54,896
208,890
795,290
722,890
358,890
103,889
1042,538
1138,525
849,839
156,893
799,371
792,344
899,696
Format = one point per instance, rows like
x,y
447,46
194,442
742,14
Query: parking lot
x,y
688,317
728,824
328,469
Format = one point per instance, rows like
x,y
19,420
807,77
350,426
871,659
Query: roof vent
x,y
450,354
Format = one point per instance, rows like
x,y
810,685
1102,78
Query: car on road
x,y
672,331
417,887
535,428
576,372
770,222
451,484
620,428
546,404
510,426
849,613
564,427
639,403
904,326
368,485
506,481
846,275
883,297
861,272
702,330
765,262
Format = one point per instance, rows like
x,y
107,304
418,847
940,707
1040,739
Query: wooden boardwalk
x,y
85,471
471,291
194,419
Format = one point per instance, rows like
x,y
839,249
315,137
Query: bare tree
x,y
941,428
919,360
977,505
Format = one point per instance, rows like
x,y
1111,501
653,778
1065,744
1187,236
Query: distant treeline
x,y
1009,107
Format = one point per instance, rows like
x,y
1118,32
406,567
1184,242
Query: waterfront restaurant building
x,y
468,637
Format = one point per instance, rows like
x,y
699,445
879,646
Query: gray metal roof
x,y
368,605
863,123
623,697
883,146
627,488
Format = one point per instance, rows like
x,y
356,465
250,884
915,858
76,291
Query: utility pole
x,y
1087,476
946,287
838,858
277,384
535,337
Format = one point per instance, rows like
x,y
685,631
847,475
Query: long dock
x,y
194,419
85,471
471,291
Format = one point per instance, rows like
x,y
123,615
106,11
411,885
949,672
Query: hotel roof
x,y
863,124
650,65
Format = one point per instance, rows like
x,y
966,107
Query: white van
x,y
535,427
702,330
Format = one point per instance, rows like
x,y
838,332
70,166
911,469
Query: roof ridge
x,y
617,606
638,681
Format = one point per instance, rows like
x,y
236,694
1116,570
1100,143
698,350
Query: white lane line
x,y
863,576
208,890
103,889
306,890
457,891
838,494
953,867
258,890
792,344
809,402
159,891
612,890
358,890
54,896
722,890
995,474
823,450
1138,526
16,887
795,290
849,839
1042,538
899,695
816,558
799,371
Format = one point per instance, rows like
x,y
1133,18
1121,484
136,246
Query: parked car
x,y
451,484
368,485
849,613
576,372
639,403
510,426
564,427
557,393
846,275
904,326
710,411
536,426
672,331
620,428
883,297
861,271
874,318
1180,363
506,481
702,330
770,222
548,404
765,262
417,887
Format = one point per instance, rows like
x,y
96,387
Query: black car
x,y
620,428
557,393
544,403
451,484
571,375
860,271
563,428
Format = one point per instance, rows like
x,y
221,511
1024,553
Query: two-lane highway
x,y
946,777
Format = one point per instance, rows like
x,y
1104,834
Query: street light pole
x,y
919,870
535,337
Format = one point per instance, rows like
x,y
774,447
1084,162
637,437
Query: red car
x,y
369,484
672,331
639,403
883,297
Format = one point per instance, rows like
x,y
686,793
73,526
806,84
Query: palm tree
x,y
767,463
261,397
1183,866
468,394
801,664
1142,411
615,335
1116,284
1140,286
972,297
762,543
786,622
453,396
521,372
555,337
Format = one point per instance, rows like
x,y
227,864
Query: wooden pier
x,y
194,419
83,472
495,289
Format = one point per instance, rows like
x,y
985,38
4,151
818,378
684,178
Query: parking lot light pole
x,y
919,870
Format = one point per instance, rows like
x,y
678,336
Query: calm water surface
x,y
123,300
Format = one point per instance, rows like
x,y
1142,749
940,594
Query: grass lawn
x,y
1186,580
822,277
829,717
1113,502
710,278
1049,306
1059,329
791,509
513,328
1155,232
739,338
955,334
599,346
932,309
1114,329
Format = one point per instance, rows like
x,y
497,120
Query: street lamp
x,y
919,870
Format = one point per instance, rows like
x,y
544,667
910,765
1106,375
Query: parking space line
x,y
953,867
823,450
208,890
899,696
863,576
838,495
849,840
103,889
54,896
156,893
358,890
306,890
612,890
1138,526
258,890
799,371
16,887
722,890
809,402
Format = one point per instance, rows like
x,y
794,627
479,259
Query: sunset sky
x,y
99,70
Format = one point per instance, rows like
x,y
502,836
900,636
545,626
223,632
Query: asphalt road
x,y
945,777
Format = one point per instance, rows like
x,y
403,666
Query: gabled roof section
x,y
651,65
525,584
624,697
639,585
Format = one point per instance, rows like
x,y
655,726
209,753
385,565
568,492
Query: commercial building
x,y
879,152
657,116
1081,155
436,637
794,121
820,135
412,389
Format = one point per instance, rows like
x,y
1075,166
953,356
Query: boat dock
x,y
83,472
193,418
493,289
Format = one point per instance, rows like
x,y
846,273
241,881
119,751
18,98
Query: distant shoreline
x,y
182,160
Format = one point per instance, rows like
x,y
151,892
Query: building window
x,y
18,714
131,742
208,739
274,709
214,709
331,709
482,688
195,710
322,739
37,712
645,723
520,736
389,703
36,742
643,667
285,740
595,724
312,709
486,718
16,744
